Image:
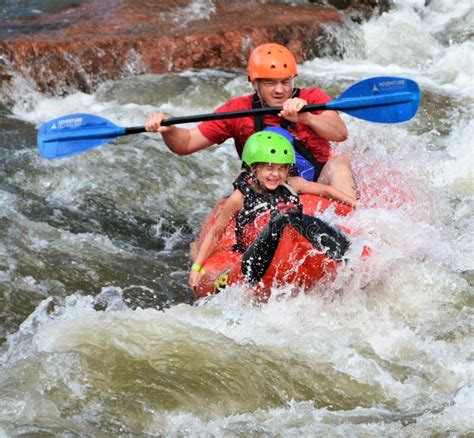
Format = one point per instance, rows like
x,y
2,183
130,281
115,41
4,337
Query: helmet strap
x,y
254,177
256,89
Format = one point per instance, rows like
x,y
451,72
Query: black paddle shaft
x,y
224,115
235,114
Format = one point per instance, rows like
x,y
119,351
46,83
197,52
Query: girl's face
x,y
271,175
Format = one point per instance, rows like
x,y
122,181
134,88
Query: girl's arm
x,y
303,186
232,206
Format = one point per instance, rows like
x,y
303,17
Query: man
x,y
271,69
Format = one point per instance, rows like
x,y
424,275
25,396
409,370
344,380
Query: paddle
x,y
379,99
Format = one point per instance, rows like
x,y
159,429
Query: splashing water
x,y
91,241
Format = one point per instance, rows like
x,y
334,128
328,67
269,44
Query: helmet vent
x,y
273,151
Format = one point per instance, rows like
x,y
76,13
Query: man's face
x,y
274,91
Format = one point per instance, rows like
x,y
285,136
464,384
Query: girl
x,y
264,201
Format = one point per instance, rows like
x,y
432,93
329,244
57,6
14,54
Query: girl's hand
x,y
194,279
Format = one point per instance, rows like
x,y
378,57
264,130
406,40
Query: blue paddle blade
x,y
75,133
384,99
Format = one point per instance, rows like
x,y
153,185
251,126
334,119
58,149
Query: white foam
x,y
398,37
457,170
444,15
455,67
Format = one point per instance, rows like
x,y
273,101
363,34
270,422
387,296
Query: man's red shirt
x,y
240,129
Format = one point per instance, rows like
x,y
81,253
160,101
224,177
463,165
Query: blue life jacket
x,y
306,164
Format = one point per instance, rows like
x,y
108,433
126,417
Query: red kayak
x,y
296,261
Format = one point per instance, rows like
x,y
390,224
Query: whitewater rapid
x,y
384,350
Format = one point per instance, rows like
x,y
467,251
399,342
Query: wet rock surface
x,y
91,41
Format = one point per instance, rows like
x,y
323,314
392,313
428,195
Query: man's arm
x,y
327,125
181,141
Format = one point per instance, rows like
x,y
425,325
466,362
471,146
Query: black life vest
x,y
306,165
273,203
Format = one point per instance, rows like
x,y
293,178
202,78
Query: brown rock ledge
x,y
80,47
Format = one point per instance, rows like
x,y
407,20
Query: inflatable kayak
x,y
296,261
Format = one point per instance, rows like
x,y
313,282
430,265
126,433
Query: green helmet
x,y
268,147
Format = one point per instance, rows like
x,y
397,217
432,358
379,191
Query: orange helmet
x,y
271,61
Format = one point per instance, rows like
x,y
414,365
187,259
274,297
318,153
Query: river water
x,y
99,334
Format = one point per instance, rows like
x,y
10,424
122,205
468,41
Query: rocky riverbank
x,y
81,46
